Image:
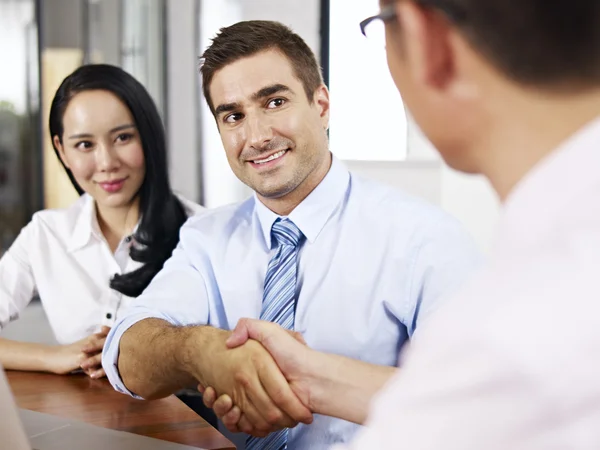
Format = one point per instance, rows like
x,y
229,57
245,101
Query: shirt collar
x,y
87,226
544,197
311,215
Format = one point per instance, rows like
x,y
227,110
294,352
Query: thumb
x,y
239,335
277,340
298,336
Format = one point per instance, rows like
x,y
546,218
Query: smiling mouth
x,y
273,157
113,185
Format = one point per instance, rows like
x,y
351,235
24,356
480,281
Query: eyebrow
x,y
267,91
270,90
114,130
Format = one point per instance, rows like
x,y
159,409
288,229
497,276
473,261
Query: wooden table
x,y
95,402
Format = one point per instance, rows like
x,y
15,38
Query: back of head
x,y
247,38
161,212
484,76
547,44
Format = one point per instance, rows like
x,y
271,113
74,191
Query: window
x,y
368,121
20,190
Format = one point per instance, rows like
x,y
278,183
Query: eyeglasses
x,y
373,28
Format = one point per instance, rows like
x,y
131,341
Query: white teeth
x,y
270,158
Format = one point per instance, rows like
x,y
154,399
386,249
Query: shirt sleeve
x,y
17,284
458,394
446,257
177,294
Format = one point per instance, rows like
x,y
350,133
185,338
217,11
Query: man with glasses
x,y
510,90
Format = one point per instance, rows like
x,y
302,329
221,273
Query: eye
x,y
275,103
232,118
124,137
84,145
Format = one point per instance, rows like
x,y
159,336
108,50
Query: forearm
x,y
343,387
157,359
28,356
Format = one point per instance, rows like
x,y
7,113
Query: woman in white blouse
x,y
86,262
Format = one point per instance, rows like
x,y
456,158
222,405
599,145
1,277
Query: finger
x,y
231,419
92,363
209,396
223,405
245,426
257,405
239,334
284,399
255,418
94,344
98,374
200,388
104,330
271,380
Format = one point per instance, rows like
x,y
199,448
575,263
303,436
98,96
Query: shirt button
x,y
128,239
108,315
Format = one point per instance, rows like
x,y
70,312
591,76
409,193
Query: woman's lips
x,y
112,186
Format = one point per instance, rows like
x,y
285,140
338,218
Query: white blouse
x,y
62,256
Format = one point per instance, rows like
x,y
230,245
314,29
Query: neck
x,y
117,223
284,205
527,128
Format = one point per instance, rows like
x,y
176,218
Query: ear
x,y
61,151
426,36
321,100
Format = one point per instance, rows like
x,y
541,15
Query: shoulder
x,y
59,221
191,208
215,222
402,212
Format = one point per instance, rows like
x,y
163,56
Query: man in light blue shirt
x,y
355,267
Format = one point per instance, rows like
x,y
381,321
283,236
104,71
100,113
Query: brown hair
x,y
247,38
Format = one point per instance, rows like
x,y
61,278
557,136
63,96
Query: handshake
x,y
263,383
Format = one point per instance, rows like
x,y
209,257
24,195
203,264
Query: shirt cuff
x,y
110,354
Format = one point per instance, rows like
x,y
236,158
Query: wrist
x,y
49,358
316,374
201,349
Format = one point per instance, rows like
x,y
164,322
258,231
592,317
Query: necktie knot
x,y
285,232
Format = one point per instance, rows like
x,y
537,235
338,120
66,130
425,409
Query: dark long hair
x,y
162,214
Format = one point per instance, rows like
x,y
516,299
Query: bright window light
x,y
368,121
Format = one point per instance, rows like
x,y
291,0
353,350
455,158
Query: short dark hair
x,y
162,214
550,44
247,38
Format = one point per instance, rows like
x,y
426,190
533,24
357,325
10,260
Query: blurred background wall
x,y
159,42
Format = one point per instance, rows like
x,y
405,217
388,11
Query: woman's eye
x,y
124,137
83,145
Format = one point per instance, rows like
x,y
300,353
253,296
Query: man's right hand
x,y
290,352
252,380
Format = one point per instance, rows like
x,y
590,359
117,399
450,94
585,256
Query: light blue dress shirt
x,y
375,263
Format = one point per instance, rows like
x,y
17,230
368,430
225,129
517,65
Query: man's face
x,y
274,137
429,70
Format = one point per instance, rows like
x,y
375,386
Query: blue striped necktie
x,y
279,301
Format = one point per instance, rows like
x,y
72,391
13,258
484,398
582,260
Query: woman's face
x,y
102,148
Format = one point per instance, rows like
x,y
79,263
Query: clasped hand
x,y
284,399
85,354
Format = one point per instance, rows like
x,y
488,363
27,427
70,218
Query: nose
x,y
107,159
259,131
